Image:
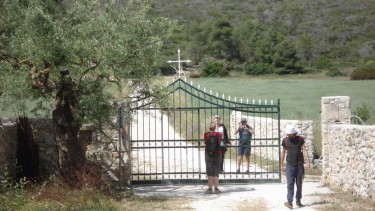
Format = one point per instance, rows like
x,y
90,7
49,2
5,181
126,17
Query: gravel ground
x,y
267,196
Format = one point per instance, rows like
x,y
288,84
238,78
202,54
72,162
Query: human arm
x,y
306,156
238,129
205,137
251,130
225,133
283,153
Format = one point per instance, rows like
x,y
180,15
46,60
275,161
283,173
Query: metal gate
x,y
167,143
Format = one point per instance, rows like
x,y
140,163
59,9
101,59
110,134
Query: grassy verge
x,y
340,200
57,198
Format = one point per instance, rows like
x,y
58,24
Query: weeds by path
x,y
339,200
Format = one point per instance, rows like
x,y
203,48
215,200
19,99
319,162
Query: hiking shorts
x,y
213,165
244,150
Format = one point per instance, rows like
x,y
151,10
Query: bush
x,y
334,72
284,71
195,74
363,112
213,67
322,63
258,69
167,70
363,73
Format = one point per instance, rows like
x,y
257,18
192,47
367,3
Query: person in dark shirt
x,y
213,163
244,144
295,150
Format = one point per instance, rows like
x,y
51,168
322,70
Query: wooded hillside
x,y
286,34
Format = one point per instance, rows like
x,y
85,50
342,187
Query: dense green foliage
x,y
116,42
363,73
289,36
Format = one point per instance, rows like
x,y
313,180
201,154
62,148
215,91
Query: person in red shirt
x,y
213,163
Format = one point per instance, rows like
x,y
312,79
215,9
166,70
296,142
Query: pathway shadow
x,y
188,191
311,204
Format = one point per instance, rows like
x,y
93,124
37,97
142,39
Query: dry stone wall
x,y
348,150
44,137
101,150
8,147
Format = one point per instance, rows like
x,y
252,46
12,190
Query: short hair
x,y
212,126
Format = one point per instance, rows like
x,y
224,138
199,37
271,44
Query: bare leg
x,y
239,161
248,162
210,182
216,181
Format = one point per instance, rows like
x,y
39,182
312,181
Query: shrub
x,y
363,112
167,70
195,74
258,68
363,73
334,72
284,71
213,67
322,63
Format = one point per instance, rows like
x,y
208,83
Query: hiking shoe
x,y
238,171
289,205
298,203
209,191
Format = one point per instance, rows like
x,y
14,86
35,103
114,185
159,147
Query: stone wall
x,y
348,150
44,137
8,147
101,150
267,127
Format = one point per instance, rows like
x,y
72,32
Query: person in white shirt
x,y
225,141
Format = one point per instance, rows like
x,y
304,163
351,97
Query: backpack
x,y
213,146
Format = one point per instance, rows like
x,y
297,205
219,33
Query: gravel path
x,y
234,196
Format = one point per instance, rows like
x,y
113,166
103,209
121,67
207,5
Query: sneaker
x,y
217,190
247,171
289,205
222,171
209,191
298,203
238,171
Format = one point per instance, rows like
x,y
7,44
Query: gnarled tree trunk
x,y
66,126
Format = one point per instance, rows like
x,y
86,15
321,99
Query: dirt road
x,y
238,196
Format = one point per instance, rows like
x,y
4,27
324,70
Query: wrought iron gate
x,y
167,142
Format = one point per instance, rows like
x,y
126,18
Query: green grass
x,y
300,95
299,98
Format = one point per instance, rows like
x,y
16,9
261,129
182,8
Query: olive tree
x,y
69,54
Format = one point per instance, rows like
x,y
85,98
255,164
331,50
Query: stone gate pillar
x,y
334,110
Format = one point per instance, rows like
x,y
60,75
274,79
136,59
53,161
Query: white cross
x,y
180,71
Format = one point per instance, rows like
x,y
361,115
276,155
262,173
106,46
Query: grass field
x,y
300,98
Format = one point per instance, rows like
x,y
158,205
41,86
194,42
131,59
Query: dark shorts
x,y
244,150
213,165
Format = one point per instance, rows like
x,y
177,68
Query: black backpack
x,y
213,146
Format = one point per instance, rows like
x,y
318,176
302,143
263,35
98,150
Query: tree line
x,y
273,36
